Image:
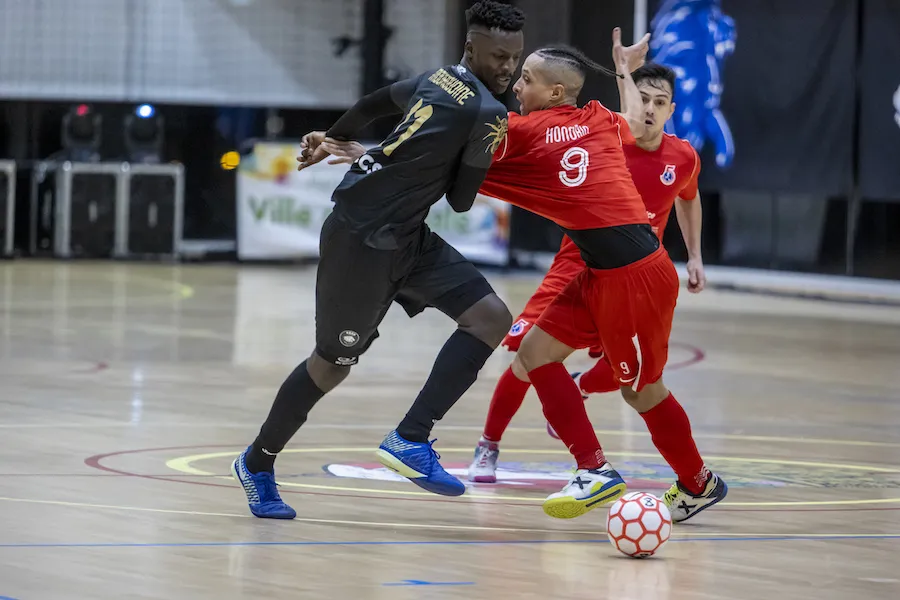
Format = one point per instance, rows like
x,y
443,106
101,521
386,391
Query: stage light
x,y
144,135
145,111
81,132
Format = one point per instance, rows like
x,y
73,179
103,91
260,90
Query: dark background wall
x,y
811,94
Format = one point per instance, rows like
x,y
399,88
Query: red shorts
x,y
567,264
626,311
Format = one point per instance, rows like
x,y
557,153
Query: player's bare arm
x,y
636,55
632,104
345,152
689,213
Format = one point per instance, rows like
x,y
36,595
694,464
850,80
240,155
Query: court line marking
x,y
184,465
683,536
96,462
709,538
473,428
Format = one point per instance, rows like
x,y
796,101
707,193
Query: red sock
x,y
670,430
599,379
508,397
564,410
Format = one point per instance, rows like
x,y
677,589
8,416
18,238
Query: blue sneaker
x,y
418,462
261,490
683,504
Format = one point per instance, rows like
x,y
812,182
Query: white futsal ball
x,y
639,524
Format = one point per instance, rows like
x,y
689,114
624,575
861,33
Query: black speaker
x,y
86,209
154,205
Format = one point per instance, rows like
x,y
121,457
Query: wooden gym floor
x,y
126,390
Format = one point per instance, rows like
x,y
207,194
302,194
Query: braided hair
x,y
495,15
575,59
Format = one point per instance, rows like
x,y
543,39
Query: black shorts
x,y
356,284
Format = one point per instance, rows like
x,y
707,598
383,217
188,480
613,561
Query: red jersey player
x,y
664,169
567,164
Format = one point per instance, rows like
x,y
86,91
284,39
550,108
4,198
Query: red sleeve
x,y
516,140
618,121
689,191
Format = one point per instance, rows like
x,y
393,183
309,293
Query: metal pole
x,y
640,19
374,40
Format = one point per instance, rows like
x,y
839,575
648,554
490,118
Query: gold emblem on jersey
x,y
496,134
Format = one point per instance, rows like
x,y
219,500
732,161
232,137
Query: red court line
x,y
698,356
95,368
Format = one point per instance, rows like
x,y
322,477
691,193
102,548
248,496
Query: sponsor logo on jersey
x,y
349,338
367,164
518,327
668,176
558,134
496,134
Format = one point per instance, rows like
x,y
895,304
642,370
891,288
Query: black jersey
x,y
450,118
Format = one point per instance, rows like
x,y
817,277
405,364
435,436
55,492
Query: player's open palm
x,y
633,56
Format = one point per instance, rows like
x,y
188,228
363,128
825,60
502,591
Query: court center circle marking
x,y
185,465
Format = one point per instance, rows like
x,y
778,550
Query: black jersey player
x,y
375,249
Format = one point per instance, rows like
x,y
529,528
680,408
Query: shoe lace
x,y
433,451
484,455
268,488
671,495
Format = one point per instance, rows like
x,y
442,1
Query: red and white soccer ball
x,y
639,524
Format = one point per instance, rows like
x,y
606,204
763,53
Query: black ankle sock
x,y
455,370
297,396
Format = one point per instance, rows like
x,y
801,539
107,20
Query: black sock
x,y
454,372
297,396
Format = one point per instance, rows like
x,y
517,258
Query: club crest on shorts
x,y
668,176
518,327
349,338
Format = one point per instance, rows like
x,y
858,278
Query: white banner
x,y
281,211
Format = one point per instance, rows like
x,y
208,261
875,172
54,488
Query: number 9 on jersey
x,y
575,159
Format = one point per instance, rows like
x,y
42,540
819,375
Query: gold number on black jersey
x,y
421,114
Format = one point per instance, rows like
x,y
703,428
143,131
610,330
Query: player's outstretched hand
x,y
344,152
633,56
310,149
696,276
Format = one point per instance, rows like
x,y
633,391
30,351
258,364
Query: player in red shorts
x,y
567,164
665,170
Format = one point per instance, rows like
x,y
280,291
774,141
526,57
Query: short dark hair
x,y
573,58
655,72
495,15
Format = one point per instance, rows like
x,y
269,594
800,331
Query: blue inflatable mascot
x,y
694,37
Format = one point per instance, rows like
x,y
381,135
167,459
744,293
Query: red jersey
x,y
567,165
661,176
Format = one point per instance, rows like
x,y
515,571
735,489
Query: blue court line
x,y
887,536
408,582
